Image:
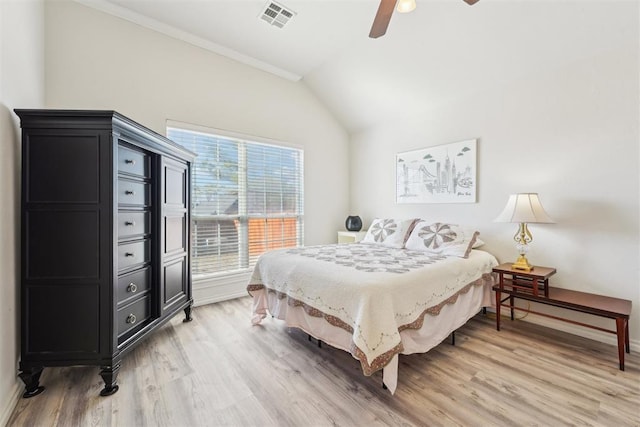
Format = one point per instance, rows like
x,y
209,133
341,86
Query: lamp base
x,y
522,264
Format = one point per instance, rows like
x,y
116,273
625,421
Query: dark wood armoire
x,y
105,239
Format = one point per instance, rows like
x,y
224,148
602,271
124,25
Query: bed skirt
x,y
433,331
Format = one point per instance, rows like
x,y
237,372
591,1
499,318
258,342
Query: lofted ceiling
x,y
318,29
441,52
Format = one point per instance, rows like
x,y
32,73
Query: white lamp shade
x,y
524,207
405,6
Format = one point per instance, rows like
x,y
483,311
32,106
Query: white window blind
x,y
247,198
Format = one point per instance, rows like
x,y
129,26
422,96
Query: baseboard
x,y
10,404
203,298
221,288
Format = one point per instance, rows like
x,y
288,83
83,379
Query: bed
x,y
376,300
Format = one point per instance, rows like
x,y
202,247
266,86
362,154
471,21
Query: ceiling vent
x,y
276,14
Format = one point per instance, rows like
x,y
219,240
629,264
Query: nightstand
x,y
511,281
534,281
351,236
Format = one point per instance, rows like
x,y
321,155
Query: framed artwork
x,y
441,174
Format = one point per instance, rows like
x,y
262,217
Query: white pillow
x,y
389,232
442,238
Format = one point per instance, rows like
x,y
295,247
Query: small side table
x,y
532,282
351,236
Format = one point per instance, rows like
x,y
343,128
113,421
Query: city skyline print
x,y
440,174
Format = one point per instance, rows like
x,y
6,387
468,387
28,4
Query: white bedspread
x,y
371,291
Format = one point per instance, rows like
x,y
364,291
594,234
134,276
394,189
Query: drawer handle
x,y
131,319
132,288
131,254
130,223
130,162
129,192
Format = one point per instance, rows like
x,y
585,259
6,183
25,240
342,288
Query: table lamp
x,y
523,208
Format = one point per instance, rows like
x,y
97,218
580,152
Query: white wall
x,y
97,61
21,86
570,133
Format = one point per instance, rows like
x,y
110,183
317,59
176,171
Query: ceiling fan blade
x,y
383,16
471,2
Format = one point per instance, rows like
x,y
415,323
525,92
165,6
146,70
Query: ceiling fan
x,y
385,10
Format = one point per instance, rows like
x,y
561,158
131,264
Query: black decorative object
x,y
353,223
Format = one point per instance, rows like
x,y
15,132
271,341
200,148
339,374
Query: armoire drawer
x,y
132,193
131,224
131,285
133,162
130,254
133,315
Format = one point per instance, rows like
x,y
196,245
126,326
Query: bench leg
x,y
512,302
498,302
621,328
626,335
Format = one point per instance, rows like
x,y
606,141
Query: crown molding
x,y
176,33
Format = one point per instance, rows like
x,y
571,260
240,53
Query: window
x,y
246,197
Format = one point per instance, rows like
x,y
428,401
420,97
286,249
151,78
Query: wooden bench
x,y
597,305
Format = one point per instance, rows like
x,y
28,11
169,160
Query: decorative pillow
x,y
442,238
389,232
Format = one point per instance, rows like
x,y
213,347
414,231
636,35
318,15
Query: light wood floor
x,y
219,370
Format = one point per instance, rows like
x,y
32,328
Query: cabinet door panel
x,y
62,244
63,318
175,234
175,282
62,168
175,179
